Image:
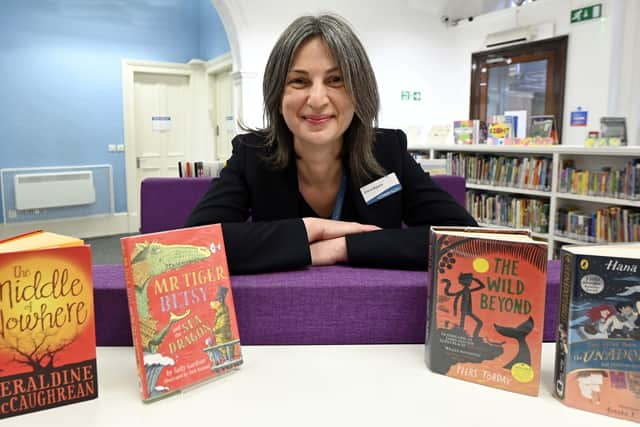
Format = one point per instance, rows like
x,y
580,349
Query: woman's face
x,y
315,103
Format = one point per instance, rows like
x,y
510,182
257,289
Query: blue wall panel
x,y
61,91
213,39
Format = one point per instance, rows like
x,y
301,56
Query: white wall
x,y
410,49
629,90
404,44
599,59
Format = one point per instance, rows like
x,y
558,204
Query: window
x,y
522,77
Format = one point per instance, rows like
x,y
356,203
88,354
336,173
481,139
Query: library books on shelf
x,y
194,169
564,194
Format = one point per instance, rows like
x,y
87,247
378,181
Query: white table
x,y
367,385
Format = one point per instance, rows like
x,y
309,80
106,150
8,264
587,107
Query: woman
x,y
301,178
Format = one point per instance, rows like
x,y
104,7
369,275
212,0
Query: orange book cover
x,y
47,325
183,318
486,307
597,365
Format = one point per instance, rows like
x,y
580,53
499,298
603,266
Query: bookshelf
x,y
530,178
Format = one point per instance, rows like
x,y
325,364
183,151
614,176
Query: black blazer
x,y
276,238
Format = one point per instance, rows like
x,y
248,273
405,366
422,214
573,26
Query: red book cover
x,y
183,318
487,299
47,332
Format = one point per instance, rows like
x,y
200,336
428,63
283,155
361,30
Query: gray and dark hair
x,y
359,80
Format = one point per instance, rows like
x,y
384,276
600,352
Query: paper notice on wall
x,y
230,124
160,123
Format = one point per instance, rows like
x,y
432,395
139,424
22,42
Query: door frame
x,y
554,49
222,64
129,69
198,73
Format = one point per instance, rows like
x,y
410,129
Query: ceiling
x,y
451,11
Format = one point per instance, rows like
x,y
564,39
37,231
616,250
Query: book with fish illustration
x,y
486,306
183,319
47,332
598,343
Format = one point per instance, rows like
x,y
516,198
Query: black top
x,y
276,238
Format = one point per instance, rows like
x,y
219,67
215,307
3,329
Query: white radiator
x,y
53,190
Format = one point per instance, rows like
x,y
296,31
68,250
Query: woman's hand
x,y
319,229
329,252
326,238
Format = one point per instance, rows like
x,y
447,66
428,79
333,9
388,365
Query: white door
x,y
162,123
223,119
165,113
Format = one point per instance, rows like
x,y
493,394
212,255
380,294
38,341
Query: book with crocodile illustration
x,y
597,365
486,306
183,319
47,332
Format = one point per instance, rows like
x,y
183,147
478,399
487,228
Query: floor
x,y
106,250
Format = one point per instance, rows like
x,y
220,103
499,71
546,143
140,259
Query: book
x,y
597,365
198,169
47,324
190,169
439,135
512,123
183,319
544,127
520,122
498,132
541,126
486,306
469,132
614,128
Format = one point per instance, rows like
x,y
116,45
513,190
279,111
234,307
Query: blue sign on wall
x,y
579,118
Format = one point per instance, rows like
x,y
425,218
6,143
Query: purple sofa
x,y
316,305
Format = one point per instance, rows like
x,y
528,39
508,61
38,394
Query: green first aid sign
x,y
586,13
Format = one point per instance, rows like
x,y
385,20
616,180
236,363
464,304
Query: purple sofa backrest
x,y
165,203
316,305
454,185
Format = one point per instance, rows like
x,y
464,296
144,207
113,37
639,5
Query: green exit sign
x,y
586,13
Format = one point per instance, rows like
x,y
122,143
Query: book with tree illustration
x,y
486,306
183,319
598,343
47,325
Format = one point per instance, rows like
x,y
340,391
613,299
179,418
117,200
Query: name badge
x,y
380,188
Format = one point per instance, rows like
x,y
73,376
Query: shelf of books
x,y
564,194
194,169
502,189
598,199
535,235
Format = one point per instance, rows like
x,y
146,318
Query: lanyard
x,y
337,209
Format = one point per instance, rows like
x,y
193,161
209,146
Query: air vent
x,y
513,36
